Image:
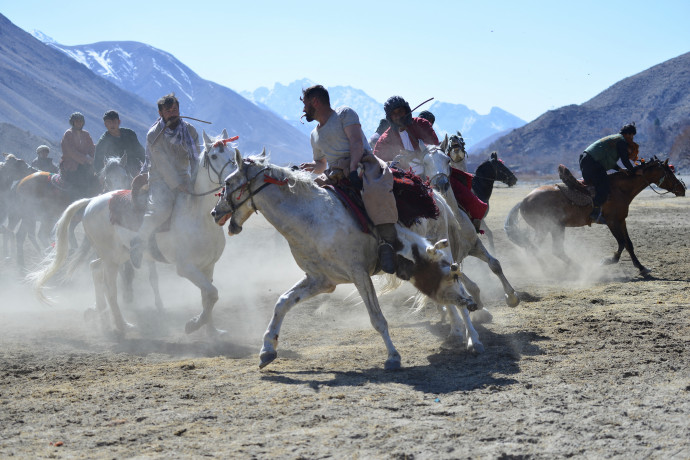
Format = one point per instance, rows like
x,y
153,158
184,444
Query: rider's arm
x,y
354,135
624,155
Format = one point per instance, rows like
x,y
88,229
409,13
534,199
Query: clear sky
x,y
526,57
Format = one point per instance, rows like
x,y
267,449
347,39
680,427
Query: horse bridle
x,y
219,174
246,185
661,181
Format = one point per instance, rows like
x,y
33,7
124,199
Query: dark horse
x,y
42,197
548,210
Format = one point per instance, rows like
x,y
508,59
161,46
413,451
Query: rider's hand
x,y
307,167
355,180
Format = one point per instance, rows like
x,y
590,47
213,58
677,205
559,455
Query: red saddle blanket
x,y
413,198
124,211
461,183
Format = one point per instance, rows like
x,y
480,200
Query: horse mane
x,y
296,180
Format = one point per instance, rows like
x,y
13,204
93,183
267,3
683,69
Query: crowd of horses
x,y
311,219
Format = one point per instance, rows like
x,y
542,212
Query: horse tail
x,y
513,230
82,253
57,257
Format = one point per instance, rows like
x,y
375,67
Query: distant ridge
x,y
657,100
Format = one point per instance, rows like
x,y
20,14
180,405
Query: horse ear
x,y
263,153
238,157
494,155
207,140
666,162
444,144
225,134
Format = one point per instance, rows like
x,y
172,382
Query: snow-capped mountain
x,y
151,73
284,100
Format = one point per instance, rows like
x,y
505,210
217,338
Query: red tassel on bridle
x,y
224,142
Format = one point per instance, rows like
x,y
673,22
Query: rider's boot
x,y
387,254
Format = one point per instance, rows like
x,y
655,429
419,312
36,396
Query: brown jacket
x,y
77,146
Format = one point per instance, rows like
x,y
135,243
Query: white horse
x,y
194,243
329,246
434,165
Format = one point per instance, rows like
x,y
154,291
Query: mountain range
x,y
657,100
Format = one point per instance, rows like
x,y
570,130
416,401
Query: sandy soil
x,y
593,363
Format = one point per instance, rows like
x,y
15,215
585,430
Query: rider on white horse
x,y
405,132
340,145
172,156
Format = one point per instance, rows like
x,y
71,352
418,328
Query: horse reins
x,y
268,180
209,167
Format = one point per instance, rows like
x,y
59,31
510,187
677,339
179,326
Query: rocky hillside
x,y
657,100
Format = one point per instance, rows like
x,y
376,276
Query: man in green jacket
x,y
602,156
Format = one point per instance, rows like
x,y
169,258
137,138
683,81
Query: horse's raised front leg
x,y
480,252
366,290
305,288
203,279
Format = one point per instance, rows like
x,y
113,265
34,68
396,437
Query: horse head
x,y
662,174
436,168
114,175
455,148
501,171
218,159
235,200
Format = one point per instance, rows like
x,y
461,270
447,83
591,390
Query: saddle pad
x,y
574,190
461,183
353,202
414,198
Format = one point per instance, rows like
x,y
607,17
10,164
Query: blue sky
x,y
526,57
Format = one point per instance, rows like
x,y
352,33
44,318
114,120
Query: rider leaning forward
x,y
340,145
602,156
172,156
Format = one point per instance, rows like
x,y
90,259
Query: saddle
x,y
461,183
414,199
576,191
127,207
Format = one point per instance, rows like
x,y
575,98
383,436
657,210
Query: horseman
x,y
172,157
76,165
601,156
428,116
116,142
405,132
340,145
43,162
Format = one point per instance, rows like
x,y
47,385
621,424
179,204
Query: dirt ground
x,y
594,363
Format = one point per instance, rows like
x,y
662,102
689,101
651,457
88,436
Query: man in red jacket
x,y
405,131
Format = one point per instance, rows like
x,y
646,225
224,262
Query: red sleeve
x,y
425,132
385,147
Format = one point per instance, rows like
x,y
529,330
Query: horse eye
x,y
214,156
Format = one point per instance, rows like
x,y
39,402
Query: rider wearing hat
x,y
405,131
42,162
602,156
428,116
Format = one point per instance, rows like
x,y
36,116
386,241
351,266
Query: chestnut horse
x,y
547,210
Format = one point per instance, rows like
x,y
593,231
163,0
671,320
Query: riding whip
x,y
430,99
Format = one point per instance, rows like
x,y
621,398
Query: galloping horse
x,y
193,244
328,244
547,210
12,170
435,166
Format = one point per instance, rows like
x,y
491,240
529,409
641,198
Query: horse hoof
x,y
192,325
512,300
608,261
392,364
476,348
267,357
644,271
481,316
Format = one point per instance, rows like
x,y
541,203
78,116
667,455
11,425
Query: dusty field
x,y
593,364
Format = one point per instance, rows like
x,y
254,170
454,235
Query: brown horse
x,y
548,210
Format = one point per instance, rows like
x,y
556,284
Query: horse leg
x,y
127,273
98,277
19,242
480,252
366,290
305,288
209,296
489,235
110,270
558,247
473,343
620,232
153,281
481,315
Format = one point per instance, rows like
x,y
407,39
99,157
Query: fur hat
x,y
42,148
